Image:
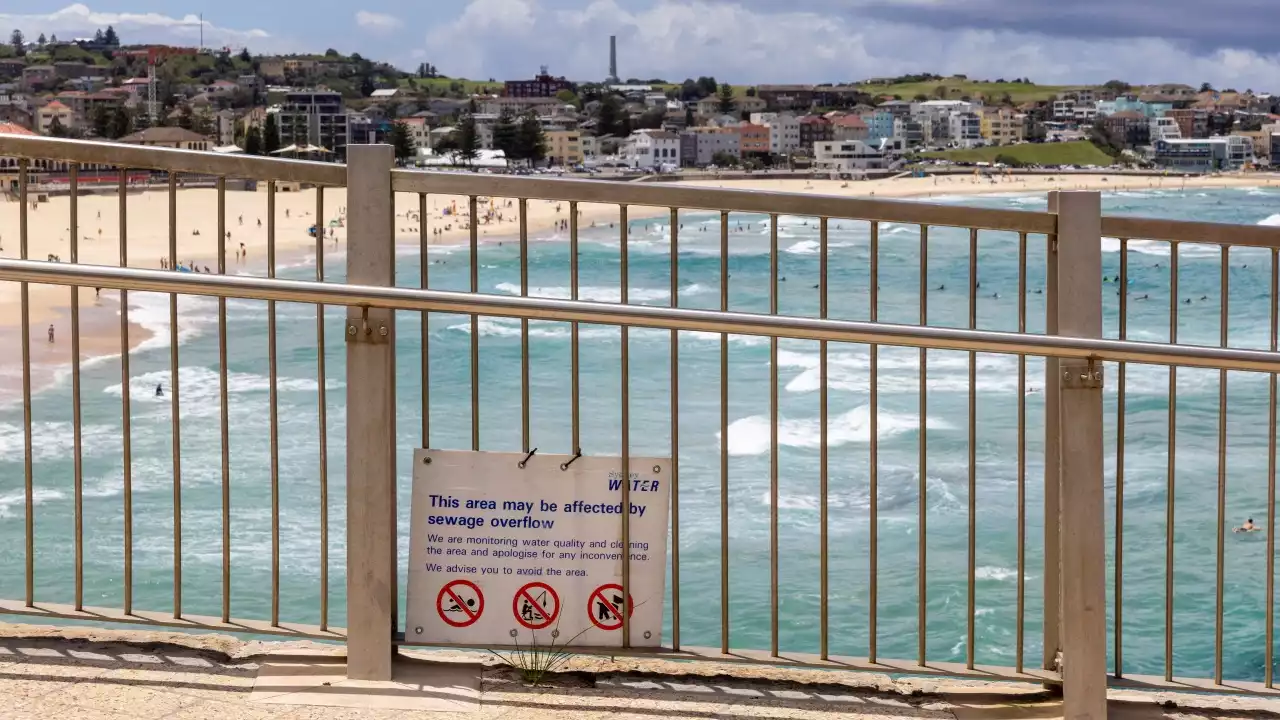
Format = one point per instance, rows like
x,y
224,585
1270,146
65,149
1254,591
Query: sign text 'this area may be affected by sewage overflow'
x,y
501,555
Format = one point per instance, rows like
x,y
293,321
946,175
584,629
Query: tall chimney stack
x,y
613,58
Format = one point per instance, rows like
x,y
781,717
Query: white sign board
x,y
504,555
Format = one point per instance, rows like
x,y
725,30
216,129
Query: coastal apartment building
x,y
815,129
849,127
520,105
314,117
1192,122
564,147
786,97
543,85
784,131
754,140
880,125
651,149
169,137
965,129
54,114
700,146
848,157
1002,127
1163,128
1201,155
1130,126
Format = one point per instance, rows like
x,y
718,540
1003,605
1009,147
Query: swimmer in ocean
x,y
1247,527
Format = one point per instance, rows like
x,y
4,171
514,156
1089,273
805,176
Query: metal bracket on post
x,y
1081,375
359,330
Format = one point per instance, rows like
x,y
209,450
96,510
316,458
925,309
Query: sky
x,y
1225,42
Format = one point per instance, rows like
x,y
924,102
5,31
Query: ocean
x,y
699,499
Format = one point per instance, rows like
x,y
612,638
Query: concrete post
x,y
1052,618
371,466
1082,534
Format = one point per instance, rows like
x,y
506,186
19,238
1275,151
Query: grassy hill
x,y
1081,152
958,87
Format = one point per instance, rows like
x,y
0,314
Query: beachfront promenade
x,y
1073,624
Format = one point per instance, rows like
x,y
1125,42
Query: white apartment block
x,y
1164,128
651,149
784,131
848,157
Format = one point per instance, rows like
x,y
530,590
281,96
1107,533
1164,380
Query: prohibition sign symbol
x,y
604,607
460,603
530,605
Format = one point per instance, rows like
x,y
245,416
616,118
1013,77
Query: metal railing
x,y
1075,572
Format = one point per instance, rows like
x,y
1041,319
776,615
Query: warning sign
x,y
536,605
605,607
542,533
460,603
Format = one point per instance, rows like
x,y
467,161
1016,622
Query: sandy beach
x,y
147,231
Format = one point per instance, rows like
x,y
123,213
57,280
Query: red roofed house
x,y
848,127
54,112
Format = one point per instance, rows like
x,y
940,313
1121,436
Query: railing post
x,y
371,467
1082,568
1052,619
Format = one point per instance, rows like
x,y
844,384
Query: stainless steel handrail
x,y
172,160
735,323
708,198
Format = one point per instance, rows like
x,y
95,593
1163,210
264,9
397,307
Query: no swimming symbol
x,y
460,603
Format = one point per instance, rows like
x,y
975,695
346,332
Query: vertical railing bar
x,y
874,452
425,319
922,589
971,593
773,441
28,485
575,389
1271,475
223,409
175,408
1223,305
526,441
675,436
273,410
724,437
1120,421
1169,491
625,382
823,456
472,207
73,178
323,416
126,414
1022,460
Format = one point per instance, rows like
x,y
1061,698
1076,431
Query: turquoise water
x,y
699,498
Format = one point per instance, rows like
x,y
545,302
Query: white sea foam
x,y
590,292
1271,220
752,435
10,503
998,574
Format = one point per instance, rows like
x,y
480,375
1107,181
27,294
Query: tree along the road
x,y
270,135
506,136
402,141
468,140
531,141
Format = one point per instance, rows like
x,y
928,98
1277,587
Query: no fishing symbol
x,y
604,607
460,603
536,605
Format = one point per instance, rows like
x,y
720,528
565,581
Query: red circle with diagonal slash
x,y
525,593
597,595
448,592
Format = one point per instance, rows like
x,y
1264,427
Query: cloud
x,y
829,41
79,21
379,22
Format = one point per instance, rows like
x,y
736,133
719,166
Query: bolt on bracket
x,y
360,331
1076,375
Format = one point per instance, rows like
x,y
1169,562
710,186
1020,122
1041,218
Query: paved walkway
x,y
86,674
